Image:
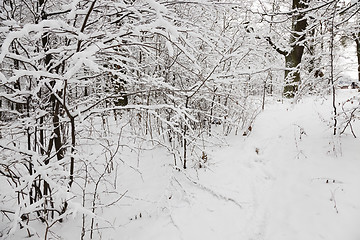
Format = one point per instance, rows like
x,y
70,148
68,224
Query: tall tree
x,y
294,56
357,42
296,44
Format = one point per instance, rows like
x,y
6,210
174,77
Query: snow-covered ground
x,y
290,178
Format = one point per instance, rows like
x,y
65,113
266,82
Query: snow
x,y
347,61
287,178
157,6
290,178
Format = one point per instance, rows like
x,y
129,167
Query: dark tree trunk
x,y
357,40
57,138
293,58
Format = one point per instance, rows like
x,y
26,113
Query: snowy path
x,y
281,182
311,194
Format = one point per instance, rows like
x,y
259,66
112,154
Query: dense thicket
x,y
83,82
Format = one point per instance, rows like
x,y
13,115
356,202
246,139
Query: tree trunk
x,y
357,40
293,58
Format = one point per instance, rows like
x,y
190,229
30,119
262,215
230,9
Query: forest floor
x,y
290,178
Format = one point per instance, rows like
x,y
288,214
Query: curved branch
x,y
273,45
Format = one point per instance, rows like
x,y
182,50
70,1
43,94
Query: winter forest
x,y
200,119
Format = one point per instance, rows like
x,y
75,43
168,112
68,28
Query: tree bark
x,y
293,58
357,40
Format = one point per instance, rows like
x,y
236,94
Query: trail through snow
x,y
290,178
